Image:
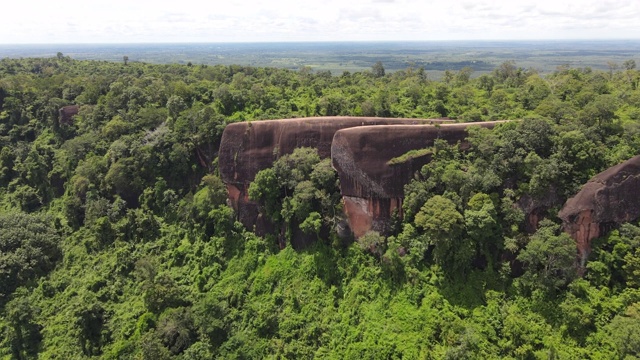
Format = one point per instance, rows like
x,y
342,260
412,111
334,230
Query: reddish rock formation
x,y
608,199
372,184
67,113
248,147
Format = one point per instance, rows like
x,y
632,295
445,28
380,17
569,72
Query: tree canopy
x,y
116,240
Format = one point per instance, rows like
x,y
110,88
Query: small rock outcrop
x,y
67,113
536,208
374,165
248,147
607,200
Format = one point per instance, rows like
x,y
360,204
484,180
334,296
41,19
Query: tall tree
x,y
378,69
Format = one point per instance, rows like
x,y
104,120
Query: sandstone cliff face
x,y
372,184
248,147
608,199
365,214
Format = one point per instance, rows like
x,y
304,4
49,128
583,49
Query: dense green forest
x,y
116,241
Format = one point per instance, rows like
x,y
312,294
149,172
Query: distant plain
x,y
337,57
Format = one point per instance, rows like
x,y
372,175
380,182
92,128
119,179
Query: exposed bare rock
x,y
536,208
373,170
607,200
365,214
67,113
248,147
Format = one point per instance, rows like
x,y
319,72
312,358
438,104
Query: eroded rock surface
x,y
373,170
248,147
536,208
608,199
67,112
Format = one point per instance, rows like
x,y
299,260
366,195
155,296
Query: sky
x,y
164,21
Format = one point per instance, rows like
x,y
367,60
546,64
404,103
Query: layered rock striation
x,y
376,157
607,200
248,147
374,163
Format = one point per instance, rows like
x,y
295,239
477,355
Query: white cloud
x,y
73,21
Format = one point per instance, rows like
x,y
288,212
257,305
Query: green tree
x,y
482,225
265,188
29,248
600,112
624,331
629,64
378,69
90,320
124,180
212,194
550,259
160,291
631,268
373,243
312,224
299,190
176,329
176,105
443,225
23,333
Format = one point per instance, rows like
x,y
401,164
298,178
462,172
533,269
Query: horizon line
x,y
326,41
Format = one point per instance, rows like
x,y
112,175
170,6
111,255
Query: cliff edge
x,y
607,200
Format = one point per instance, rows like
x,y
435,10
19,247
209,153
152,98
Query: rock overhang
x,y
373,167
364,156
610,198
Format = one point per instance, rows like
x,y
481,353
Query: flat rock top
x,y
353,120
248,147
618,173
362,155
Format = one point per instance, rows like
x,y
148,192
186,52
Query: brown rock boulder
x,y
67,113
373,170
607,200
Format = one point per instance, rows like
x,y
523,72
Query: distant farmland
x,y
337,57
